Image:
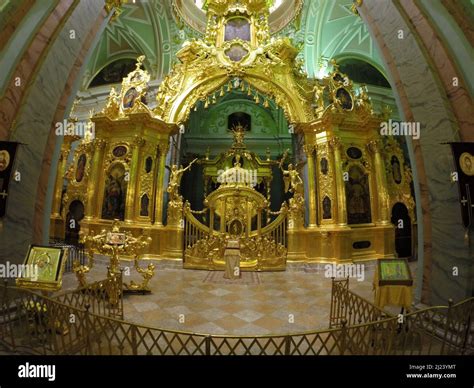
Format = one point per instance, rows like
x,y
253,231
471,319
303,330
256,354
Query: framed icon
x,y
43,268
129,98
394,272
236,228
4,160
114,238
466,162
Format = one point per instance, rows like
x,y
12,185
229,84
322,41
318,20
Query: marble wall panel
x,y
422,98
35,122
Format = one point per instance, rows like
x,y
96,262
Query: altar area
x,y
320,188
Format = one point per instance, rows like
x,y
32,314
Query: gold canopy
x,y
237,47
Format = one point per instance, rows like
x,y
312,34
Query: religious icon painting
x,y
80,168
236,52
358,196
43,268
354,153
237,28
344,98
129,98
119,151
116,238
396,170
236,228
324,164
466,162
115,193
4,160
394,272
327,208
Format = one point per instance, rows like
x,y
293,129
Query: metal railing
x,y
76,253
348,307
33,323
97,296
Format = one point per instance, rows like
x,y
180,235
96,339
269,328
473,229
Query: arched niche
x,y
362,72
113,72
403,231
74,216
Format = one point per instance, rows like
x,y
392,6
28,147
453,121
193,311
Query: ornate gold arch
x,y
255,62
296,111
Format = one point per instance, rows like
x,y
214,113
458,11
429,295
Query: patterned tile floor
x,y
261,303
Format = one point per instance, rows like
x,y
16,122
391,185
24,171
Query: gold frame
x,y
394,282
53,285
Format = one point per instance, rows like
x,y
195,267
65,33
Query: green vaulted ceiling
x,y
144,28
331,30
323,29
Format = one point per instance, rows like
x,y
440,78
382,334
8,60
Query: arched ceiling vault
x,y
331,30
143,28
324,29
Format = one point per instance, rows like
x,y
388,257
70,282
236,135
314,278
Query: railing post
x,y
331,312
287,345
5,313
120,285
468,329
134,340
343,336
5,290
448,322
208,345
87,327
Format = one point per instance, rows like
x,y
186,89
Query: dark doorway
x,y
73,219
402,222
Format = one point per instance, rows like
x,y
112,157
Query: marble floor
x,y
258,304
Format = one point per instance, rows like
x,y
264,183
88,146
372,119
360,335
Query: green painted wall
x,y
269,127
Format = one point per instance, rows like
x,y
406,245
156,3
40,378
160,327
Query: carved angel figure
x,y
291,177
175,179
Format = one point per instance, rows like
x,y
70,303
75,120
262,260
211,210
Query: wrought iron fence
x,y
32,323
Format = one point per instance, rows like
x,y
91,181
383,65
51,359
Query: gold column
x,y
381,181
61,170
131,200
308,149
335,144
90,211
163,151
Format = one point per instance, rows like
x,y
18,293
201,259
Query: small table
x,y
232,260
397,295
